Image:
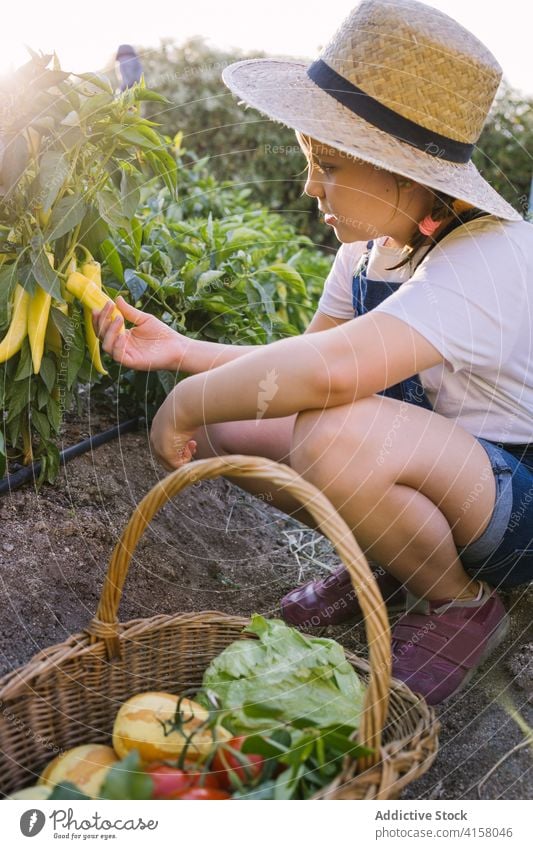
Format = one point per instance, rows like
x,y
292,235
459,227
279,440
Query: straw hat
x,y
400,85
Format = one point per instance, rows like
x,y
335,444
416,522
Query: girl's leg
x,y
410,483
269,438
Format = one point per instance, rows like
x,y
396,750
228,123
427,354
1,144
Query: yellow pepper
x,y
38,313
18,328
91,270
90,295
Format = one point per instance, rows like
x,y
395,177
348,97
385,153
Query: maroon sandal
x,y
333,600
438,645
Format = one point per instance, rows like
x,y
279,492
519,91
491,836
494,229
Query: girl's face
x,y
361,201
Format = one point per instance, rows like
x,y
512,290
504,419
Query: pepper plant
x,y
74,158
88,181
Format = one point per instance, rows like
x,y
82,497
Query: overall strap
x,y
359,282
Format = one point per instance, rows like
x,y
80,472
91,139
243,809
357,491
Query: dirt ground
x,y
217,547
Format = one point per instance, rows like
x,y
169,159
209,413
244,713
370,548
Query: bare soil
x,y
217,547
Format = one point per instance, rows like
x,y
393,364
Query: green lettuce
x,y
284,677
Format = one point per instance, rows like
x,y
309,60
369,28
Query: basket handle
x,y
105,625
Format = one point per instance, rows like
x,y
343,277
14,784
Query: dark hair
x,y
444,206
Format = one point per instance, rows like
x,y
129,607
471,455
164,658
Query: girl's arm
x,y
152,345
203,356
313,371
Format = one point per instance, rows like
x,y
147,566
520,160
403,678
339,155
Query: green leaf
x,y
288,274
137,236
166,263
207,277
152,281
53,172
132,136
66,215
111,258
127,780
14,161
147,94
51,464
164,166
344,745
265,790
287,783
267,747
63,323
98,80
41,423
42,396
25,365
94,104
44,274
67,790
8,281
94,231
150,134
48,372
130,194
20,398
76,351
300,676
110,208
260,710
136,285
243,236
54,413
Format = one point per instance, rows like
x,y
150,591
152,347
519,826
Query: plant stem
x,y
27,456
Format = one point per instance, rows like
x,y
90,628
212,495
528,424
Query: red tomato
x,y
204,779
225,764
168,780
204,793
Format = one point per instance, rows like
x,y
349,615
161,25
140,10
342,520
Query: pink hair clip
x,y
428,225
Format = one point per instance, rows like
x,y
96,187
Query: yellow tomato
x,y
85,766
138,726
34,792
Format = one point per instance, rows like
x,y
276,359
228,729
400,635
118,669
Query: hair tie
x,y
428,225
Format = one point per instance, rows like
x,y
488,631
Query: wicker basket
x,y
69,693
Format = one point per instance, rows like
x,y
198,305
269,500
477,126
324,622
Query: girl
x,y
409,399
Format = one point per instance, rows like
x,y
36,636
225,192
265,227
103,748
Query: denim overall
x,y
364,298
503,555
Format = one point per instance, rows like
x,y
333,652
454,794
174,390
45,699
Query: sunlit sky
x,y
86,35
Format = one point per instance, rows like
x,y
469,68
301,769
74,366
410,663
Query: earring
x,y
428,225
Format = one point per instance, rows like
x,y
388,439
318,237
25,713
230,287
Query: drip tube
x,y
26,473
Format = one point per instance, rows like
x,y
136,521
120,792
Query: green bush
x,y
215,266
239,144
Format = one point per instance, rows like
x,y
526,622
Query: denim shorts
x,y
503,554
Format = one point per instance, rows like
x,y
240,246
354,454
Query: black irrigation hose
x,y
17,479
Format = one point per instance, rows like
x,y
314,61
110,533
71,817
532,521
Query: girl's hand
x,y
148,346
171,439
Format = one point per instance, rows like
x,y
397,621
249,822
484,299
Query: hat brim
x,y
282,91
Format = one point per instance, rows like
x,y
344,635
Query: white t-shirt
x,y
472,298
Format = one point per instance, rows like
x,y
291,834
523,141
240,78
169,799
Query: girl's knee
x,y
318,432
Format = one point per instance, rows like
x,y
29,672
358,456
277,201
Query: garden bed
x,y
217,547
